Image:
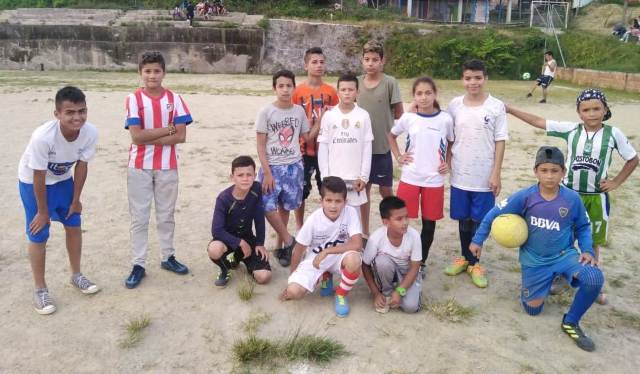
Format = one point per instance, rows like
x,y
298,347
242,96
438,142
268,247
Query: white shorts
x,y
355,199
308,276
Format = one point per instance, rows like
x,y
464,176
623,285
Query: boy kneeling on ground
x,y
555,216
392,260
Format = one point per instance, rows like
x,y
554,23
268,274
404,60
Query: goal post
x,y
549,14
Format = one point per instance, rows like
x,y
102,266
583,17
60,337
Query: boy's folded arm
x,y
180,136
146,136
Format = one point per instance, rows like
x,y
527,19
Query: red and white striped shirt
x,y
155,112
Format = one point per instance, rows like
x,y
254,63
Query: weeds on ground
x,y
251,325
134,330
246,290
450,311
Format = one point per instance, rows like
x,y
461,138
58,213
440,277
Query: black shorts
x,y
544,81
381,170
310,166
253,262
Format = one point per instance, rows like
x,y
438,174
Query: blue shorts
x,y
381,170
473,205
287,180
59,197
536,281
544,81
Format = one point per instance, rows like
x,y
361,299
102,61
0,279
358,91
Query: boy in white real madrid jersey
x,y
329,241
345,142
589,154
51,175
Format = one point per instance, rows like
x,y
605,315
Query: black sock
x,y
467,228
426,236
222,262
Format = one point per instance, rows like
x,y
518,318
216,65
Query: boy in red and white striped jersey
x,y
156,120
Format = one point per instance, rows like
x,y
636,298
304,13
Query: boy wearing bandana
x,y
590,148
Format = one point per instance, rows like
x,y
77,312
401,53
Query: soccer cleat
x,y
529,94
575,332
542,101
478,276
233,262
173,265
223,278
134,279
83,284
42,302
342,306
284,254
458,266
326,286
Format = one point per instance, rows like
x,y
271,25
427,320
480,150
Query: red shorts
x,y
431,200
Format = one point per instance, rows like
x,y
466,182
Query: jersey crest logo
x,y
345,123
563,212
544,223
357,125
170,107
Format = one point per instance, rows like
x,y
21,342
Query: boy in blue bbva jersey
x,y
555,217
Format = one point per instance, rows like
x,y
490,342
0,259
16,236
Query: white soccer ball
x,y
526,76
509,230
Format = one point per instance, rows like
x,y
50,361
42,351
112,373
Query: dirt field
x,y
194,325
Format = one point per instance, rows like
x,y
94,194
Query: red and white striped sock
x,y
347,282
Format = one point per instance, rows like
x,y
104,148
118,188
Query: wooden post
x,y
508,21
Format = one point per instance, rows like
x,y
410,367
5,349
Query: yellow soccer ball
x,y
509,230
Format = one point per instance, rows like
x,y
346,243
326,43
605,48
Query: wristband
x,y
401,291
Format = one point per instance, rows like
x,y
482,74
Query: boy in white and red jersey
x,y
156,120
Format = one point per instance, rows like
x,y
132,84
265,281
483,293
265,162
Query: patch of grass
x,y
263,23
134,330
450,311
251,325
616,283
300,347
247,288
528,369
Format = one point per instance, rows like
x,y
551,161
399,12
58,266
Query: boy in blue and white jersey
x,y
555,217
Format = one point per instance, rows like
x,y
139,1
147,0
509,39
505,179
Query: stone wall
x,y
602,79
63,47
287,40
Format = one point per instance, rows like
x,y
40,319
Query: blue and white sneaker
x,y
173,265
342,306
134,279
326,287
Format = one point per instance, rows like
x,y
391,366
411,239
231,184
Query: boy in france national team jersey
x,y
345,142
590,151
330,241
50,190
238,208
391,260
279,126
555,217
315,96
480,130
156,120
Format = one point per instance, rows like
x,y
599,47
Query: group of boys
x,y
347,145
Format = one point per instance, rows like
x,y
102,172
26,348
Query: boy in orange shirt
x,y
315,97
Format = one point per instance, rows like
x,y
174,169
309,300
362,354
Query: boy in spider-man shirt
x,y
278,127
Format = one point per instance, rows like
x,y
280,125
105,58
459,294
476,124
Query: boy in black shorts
x,y
238,208
546,77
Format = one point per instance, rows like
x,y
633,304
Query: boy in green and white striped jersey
x,y
590,148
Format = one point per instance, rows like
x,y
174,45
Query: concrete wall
x,y
287,40
602,79
61,47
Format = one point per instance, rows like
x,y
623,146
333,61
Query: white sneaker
x,y
83,284
42,302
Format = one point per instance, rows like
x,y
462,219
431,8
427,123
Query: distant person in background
x,y
544,80
190,13
618,30
633,31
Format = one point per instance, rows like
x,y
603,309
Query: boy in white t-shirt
x,y
331,241
345,142
391,261
480,130
51,191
